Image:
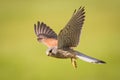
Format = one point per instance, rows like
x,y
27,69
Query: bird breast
x,y
59,53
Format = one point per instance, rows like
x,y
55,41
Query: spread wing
x,y
70,34
45,34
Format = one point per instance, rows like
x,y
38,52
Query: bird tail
x,y
88,58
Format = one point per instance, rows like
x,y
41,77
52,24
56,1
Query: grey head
x,y
51,51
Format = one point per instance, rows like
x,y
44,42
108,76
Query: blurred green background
x,y
23,58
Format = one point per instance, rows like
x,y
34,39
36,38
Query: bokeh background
x,y
23,58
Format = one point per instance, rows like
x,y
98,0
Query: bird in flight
x,y
61,46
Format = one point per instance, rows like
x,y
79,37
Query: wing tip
x,y
38,23
35,29
82,8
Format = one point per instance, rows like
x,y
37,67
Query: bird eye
x,y
50,51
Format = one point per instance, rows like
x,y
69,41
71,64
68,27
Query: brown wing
x,y
70,34
45,34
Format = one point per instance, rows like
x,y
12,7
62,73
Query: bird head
x,y
51,51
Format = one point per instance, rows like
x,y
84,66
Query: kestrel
x,y
61,46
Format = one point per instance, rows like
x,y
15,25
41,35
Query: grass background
x,y
23,58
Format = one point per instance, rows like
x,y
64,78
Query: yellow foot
x,y
73,61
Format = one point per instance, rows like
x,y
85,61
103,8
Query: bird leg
x,y
73,61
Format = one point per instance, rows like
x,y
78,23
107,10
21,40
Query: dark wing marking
x,y
44,32
70,34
